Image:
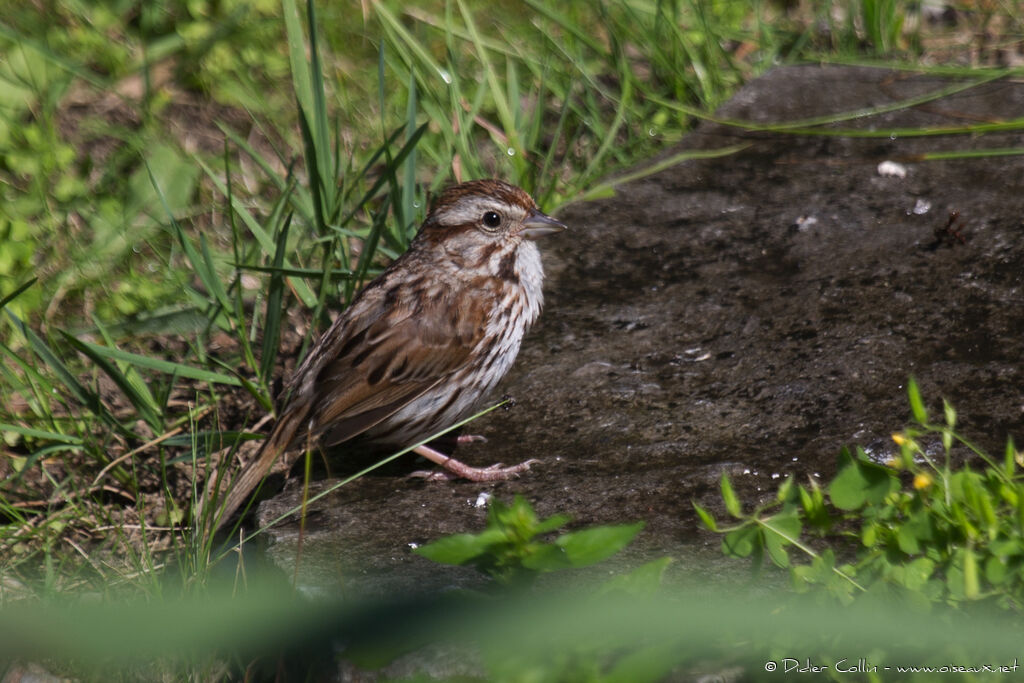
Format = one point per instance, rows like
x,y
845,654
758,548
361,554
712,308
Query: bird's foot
x,y
455,469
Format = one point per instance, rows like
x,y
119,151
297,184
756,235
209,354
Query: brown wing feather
x,y
394,366
372,371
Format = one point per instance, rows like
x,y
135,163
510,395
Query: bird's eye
x,y
492,219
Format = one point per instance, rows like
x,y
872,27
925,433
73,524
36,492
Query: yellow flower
x,y
922,481
899,439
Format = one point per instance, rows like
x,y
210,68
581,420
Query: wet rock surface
x,y
748,314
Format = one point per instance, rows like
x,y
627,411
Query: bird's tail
x,y
223,498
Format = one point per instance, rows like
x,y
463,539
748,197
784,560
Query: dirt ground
x,y
749,314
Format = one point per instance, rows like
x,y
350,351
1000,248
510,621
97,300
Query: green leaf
x,y
732,503
743,541
907,540
917,572
588,546
776,547
168,177
706,517
996,570
785,490
859,482
949,413
458,549
550,524
869,535
780,531
916,404
545,557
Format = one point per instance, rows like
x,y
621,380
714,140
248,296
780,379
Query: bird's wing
x,y
391,362
383,352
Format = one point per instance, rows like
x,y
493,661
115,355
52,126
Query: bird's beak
x,y
538,224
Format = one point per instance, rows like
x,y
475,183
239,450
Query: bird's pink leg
x,y
459,469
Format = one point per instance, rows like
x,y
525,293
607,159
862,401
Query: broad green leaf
x,y
917,572
785,490
860,482
588,546
169,178
742,542
551,523
776,547
546,557
459,549
907,540
996,570
780,531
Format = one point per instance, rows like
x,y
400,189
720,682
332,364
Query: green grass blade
x,y
17,292
501,103
407,208
320,122
41,434
87,398
800,125
310,273
608,187
215,284
275,309
301,82
147,410
264,238
401,36
138,384
370,244
159,365
403,153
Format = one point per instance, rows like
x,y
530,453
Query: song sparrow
x,y
422,343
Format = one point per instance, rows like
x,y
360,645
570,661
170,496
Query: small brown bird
x,y
421,345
